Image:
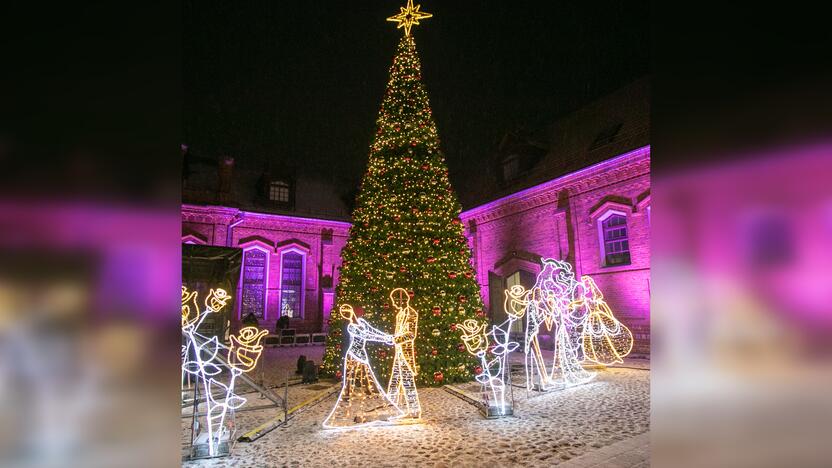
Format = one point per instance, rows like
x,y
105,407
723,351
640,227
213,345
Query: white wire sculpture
x,y
201,360
496,372
582,323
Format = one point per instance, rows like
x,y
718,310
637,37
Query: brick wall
x,y
559,219
275,234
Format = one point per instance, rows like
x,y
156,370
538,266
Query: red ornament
x,y
415,210
411,294
436,241
460,347
480,313
438,377
337,347
467,274
430,259
478,370
425,167
436,310
452,275
453,327
462,299
402,269
412,143
382,354
407,159
395,218
456,221
434,352
338,374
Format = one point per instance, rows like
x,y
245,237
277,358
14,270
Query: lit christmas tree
x,y
407,234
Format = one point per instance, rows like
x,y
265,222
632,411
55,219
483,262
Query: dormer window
x,y
279,191
606,136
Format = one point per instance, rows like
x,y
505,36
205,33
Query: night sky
x,y
300,83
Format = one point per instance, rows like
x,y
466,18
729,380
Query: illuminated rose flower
x,y
245,348
473,335
516,301
190,311
216,300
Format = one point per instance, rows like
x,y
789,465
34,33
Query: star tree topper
x,y
409,16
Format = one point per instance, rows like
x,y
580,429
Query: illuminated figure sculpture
x,y
402,386
605,340
362,400
584,328
202,361
550,304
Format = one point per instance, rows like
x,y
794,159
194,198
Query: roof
x,y
609,126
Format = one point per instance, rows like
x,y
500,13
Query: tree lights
x,y
406,233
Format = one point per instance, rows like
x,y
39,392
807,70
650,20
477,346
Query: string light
x,y
360,390
408,17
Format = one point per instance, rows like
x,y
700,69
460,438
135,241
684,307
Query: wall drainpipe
x,y
231,226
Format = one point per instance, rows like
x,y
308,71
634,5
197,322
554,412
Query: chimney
x,y
225,173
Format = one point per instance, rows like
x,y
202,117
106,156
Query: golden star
x,y
409,16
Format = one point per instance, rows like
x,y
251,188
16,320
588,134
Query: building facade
x,y
290,264
597,219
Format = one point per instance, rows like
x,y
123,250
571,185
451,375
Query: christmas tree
x,y
407,234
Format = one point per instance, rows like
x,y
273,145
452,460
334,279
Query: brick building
x,y
291,228
577,190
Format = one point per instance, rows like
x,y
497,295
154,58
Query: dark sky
x,y
300,82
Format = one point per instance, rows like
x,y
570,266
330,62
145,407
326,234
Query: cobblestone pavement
x,y
602,423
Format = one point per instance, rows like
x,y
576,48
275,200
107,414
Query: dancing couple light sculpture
x,y
201,360
362,401
583,326
495,376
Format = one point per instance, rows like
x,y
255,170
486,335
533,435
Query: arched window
x,y
292,275
279,191
615,244
255,272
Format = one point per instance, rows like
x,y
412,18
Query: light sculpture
x,y
200,360
495,371
401,389
583,326
409,16
362,401
245,348
605,340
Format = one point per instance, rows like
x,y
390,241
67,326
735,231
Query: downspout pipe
x,y
228,238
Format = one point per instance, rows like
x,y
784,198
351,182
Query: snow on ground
x,y
546,429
